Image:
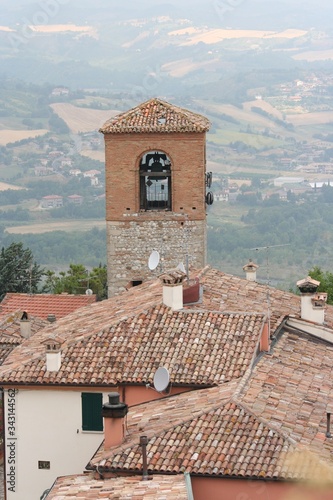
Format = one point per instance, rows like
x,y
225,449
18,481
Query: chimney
x,y
173,289
53,353
313,303
251,270
51,318
114,414
25,326
264,339
143,443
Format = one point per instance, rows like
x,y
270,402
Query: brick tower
x,y
156,197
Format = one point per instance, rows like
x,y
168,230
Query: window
x,y
92,419
155,181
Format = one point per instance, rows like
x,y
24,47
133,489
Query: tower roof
x,y
156,115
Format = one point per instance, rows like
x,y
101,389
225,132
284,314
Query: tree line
x,y
20,273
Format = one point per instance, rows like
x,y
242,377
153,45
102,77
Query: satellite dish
x,y
209,198
153,260
161,379
89,291
181,267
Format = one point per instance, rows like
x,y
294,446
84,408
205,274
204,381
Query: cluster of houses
x,y
187,382
156,393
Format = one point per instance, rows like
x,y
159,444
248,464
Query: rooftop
x,y
42,304
158,116
86,487
207,432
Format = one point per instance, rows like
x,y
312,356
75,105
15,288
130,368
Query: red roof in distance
x,y
43,304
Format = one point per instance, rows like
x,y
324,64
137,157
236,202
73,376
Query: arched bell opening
x,y
155,181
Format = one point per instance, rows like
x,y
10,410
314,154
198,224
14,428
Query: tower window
x,y
155,181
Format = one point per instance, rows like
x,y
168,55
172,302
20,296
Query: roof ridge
x,y
156,115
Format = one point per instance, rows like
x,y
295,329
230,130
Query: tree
x,y
326,281
18,271
76,280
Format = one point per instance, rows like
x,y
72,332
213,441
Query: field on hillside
x,y
315,118
69,226
210,36
4,186
244,113
314,55
8,136
182,67
82,119
225,137
264,105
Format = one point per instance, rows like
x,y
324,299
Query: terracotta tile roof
x,y
158,116
10,332
43,304
87,328
197,347
86,487
205,432
225,292
293,388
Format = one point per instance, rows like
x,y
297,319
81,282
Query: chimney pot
x,y
51,318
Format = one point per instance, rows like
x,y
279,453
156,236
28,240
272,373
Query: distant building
x,y
51,201
75,199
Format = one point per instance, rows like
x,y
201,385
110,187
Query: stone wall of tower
x,y
130,243
132,234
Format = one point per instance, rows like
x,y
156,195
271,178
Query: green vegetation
x,y
19,272
291,235
326,281
58,249
76,280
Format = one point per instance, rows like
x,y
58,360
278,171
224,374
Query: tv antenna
x,y
267,248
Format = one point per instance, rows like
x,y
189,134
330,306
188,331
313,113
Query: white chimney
x,y
173,289
25,326
53,354
313,303
251,270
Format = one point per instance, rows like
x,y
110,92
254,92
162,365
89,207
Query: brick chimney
x,y
53,353
251,270
25,325
173,289
313,303
114,414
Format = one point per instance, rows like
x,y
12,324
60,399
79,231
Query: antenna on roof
x,y
161,379
268,279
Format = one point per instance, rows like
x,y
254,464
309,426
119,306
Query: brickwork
x,y
122,156
133,233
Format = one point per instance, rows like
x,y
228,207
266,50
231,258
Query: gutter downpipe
x,y
188,484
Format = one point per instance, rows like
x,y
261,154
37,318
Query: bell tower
x,y
155,164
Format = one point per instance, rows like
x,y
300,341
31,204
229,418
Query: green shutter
x,y
92,419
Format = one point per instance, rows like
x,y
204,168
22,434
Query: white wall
x,y
44,425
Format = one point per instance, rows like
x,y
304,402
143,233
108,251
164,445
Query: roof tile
x,y
158,116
